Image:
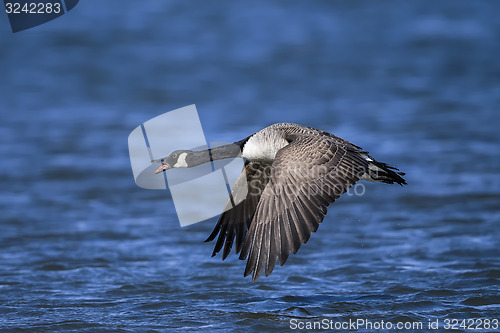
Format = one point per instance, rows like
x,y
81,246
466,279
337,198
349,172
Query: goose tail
x,y
381,172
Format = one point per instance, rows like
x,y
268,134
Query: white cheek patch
x,y
181,161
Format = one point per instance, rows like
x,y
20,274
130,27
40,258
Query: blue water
x,y
416,83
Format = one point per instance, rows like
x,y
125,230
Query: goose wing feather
x,y
235,220
306,176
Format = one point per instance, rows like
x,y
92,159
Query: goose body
x,y
292,174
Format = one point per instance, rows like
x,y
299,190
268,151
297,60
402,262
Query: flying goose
x,y
292,174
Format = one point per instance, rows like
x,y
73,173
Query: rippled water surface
x,y
416,83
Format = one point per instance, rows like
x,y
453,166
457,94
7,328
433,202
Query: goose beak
x,y
162,168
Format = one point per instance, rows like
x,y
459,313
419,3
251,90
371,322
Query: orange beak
x,y
162,168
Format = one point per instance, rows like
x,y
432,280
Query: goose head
x,y
177,159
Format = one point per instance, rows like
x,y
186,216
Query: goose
x,y
292,174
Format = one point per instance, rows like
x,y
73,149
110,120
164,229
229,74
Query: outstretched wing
x,y
306,176
240,208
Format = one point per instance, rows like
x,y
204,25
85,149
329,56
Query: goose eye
x,y
174,155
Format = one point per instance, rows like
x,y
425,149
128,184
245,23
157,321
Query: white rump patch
x,y
367,158
373,167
